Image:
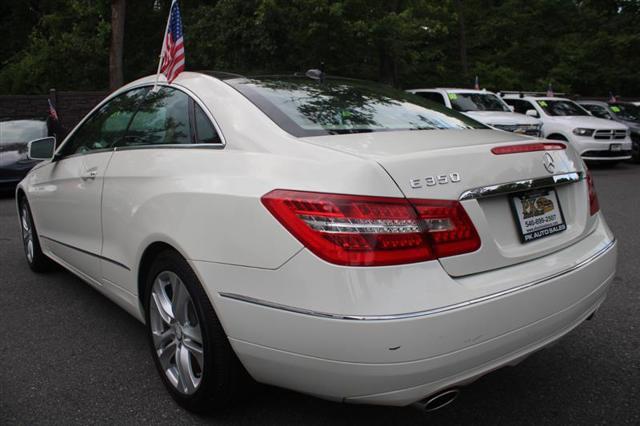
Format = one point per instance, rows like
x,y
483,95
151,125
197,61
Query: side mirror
x,y
512,108
532,113
42,149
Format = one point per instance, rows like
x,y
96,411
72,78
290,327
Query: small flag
x,y
612,98
172,58
550,91
477,85
52,111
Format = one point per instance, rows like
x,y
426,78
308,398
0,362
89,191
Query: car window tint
x,y
106,126
432,96
204,128
305,107
519,105
597,111
162,119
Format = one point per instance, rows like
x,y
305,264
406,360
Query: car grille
x,y
606,154
610,134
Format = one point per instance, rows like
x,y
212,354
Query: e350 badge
x,y
427,181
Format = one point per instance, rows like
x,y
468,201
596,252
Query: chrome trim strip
x,y
417,314
118,92
106,259
521,185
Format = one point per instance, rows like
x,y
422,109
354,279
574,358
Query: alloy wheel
x,y
176,332
27,233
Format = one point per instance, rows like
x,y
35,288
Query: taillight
x,y
594,206
372,231
528,147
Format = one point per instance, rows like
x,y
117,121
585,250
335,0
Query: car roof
x,y
537,98
451,90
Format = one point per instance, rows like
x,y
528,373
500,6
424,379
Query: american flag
x,y
173,48
550,91
52,111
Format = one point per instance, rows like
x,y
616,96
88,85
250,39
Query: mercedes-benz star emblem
x,y
548,163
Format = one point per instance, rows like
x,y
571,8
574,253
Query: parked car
x,y
594,138
622,112
14,138
484,106
336,237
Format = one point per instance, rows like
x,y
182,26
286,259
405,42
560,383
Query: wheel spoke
x,y
187,379
193,333
166,354
162,303
163,339
195,349
179,300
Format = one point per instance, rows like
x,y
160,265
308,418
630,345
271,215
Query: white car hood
x,y
501,118
588,122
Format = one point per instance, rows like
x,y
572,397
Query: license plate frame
x,y
615,147
536,220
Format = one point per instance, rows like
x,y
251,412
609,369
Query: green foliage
x,y
581,46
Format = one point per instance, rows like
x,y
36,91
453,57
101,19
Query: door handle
x,y
89,174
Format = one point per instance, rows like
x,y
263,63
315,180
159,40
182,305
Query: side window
x,y
520,106
162,119
432,96
597,111
106,126
205,132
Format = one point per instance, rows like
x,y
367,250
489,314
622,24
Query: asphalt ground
x,y
70,356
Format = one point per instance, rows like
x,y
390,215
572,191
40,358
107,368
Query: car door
x,y
145,177
66,193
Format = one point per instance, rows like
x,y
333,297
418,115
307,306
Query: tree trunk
x,y
116,78
463,40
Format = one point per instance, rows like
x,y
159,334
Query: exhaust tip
x,y
437,401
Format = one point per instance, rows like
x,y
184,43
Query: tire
x,y
36,259
635,152
198,381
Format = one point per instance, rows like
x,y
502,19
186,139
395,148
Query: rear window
x,y
477,102
306,107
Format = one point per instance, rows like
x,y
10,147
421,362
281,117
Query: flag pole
x,y
164,40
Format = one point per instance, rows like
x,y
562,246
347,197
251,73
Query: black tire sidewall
x,y
40,262
215,388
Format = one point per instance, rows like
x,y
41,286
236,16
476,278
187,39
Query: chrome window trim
x,y
417,314
193,96
521,185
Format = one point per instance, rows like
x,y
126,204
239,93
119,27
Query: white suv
x,y
485,107
562,119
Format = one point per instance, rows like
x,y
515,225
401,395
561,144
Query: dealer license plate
x,y
538,214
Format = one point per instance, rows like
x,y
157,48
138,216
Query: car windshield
x,y
627,112
561,108
12,131
306,107
477,102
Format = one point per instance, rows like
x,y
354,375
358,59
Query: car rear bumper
x,y
400,359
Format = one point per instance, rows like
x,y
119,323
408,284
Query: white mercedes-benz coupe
x,y
331,236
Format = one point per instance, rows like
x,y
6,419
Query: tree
x,y
116,49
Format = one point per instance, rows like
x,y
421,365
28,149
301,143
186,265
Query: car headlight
x,y
583,132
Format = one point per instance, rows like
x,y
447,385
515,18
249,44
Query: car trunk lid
x,y
459,165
